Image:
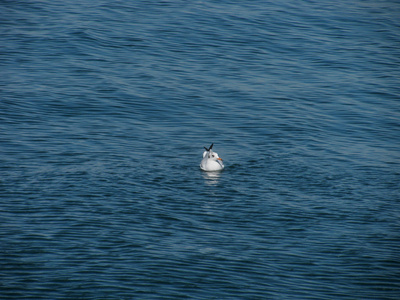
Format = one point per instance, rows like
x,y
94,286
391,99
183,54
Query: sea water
x,y
105,110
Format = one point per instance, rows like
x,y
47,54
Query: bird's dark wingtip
x,y
208,149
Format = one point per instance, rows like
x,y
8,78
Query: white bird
x,y
211,161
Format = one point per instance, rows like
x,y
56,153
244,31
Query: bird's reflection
x,y
211,178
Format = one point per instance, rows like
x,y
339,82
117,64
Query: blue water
x,y
105,107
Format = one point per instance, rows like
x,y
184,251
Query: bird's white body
x,y
211,161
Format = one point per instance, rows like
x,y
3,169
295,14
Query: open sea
x,y
105,110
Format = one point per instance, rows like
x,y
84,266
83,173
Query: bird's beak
x,y
219,158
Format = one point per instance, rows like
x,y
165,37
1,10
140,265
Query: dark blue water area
x,y
105,107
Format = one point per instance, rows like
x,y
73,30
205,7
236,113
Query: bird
x,y
211,161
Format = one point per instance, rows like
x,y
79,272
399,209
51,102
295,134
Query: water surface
x,y
104,112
